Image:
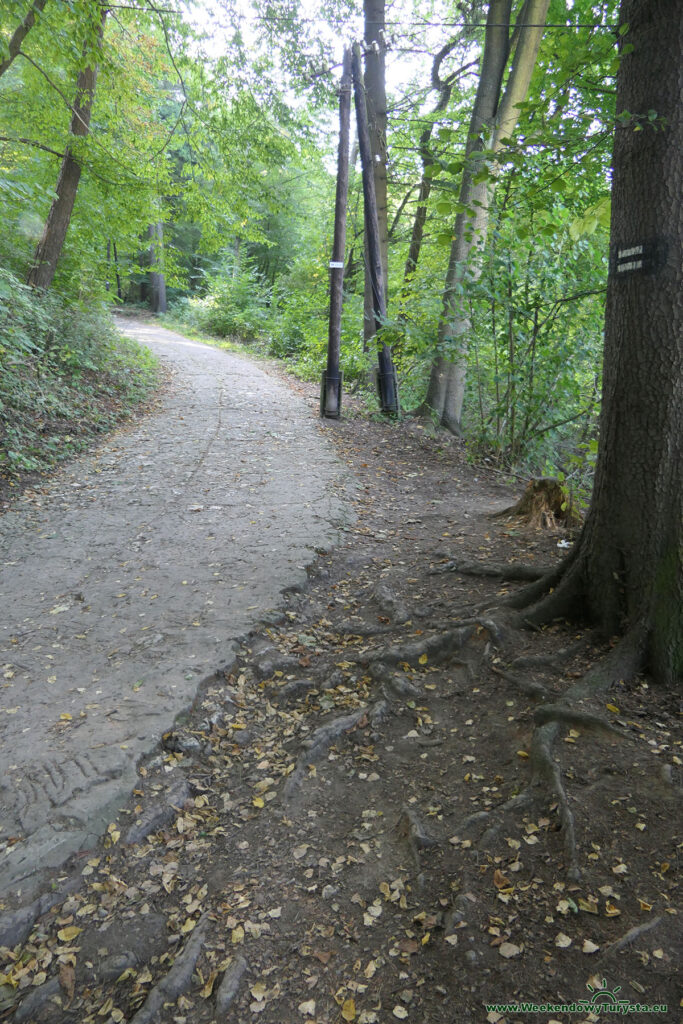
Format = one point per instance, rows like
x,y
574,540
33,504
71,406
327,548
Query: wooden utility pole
x,y
386,382
331,386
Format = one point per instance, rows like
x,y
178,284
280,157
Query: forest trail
x,y
128,577
349,822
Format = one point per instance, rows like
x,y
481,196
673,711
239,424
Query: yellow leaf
x,y
67,934
39,978
613,708
423,659
258,991
349,1010
208,987
611,910
65,716
645,906
258,802
237,935
522,753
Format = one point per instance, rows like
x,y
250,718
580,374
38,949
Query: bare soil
x,y
332,833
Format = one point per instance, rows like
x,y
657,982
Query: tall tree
x,y
493,120
376,104
626,571
50,247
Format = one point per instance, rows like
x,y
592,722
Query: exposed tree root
x,y
411,829
178,978
108,970
525,686
230,985
438,648
622,662
571,716
493,570
553,661
546,768
320,741
16,927
631,936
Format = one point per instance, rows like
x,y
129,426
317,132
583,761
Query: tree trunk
x,y
493,119
376,105
444,88
51,244
157,281
19,34
331,378
627,570
386,375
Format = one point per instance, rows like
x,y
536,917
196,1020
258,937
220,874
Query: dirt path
x,y
126,580
348,825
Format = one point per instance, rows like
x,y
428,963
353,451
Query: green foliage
x,y
237,303
65,375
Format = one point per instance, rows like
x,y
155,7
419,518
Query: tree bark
x,y
51,244
20,33
157,281
493,119
332,382
387,377
444,88
627,569
376,105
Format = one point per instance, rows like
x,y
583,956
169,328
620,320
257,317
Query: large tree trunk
x,y
627,570
51,244
20,33
376,104
493,119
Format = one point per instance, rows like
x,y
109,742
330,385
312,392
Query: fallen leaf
x,y
67,934
307,1008
67,980
348,1011
562,940
589,947
208,985
509,949
400,1012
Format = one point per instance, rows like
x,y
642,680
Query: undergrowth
x,y
66,375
